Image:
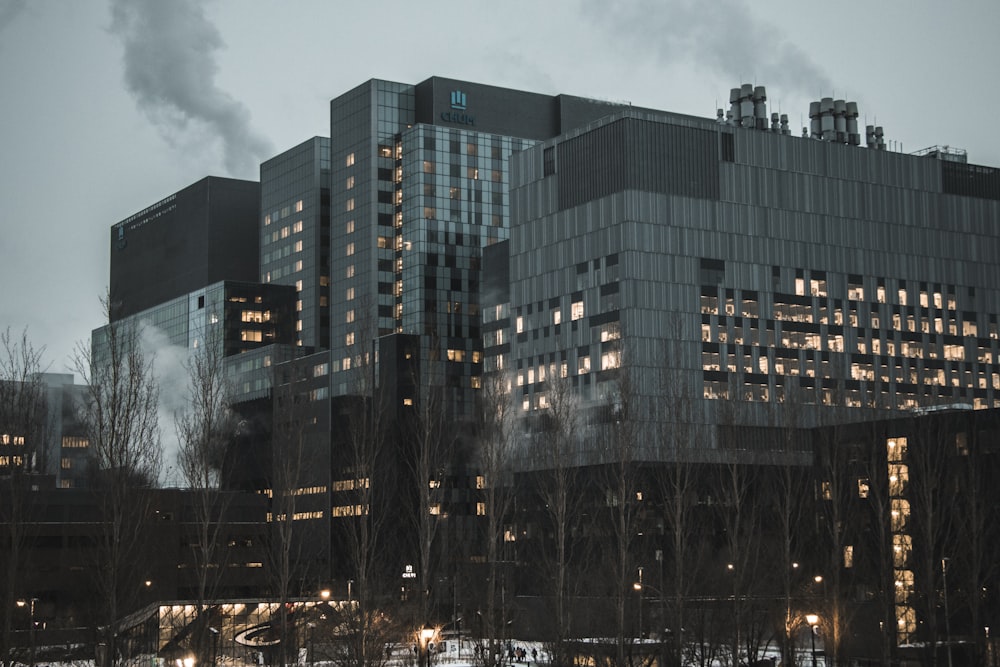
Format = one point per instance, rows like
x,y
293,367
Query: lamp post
x,y
426,635
638,588
947,621
813,621
30,604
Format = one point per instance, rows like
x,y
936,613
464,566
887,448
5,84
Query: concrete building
x,y
746,267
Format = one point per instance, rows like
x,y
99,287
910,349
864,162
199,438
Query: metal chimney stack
x,y
853,138
826,119
840,120
734,106
775,126
760,107
870,136
879,138
784,124
814,120
746,105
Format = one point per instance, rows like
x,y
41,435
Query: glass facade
x,y
295,234
413,205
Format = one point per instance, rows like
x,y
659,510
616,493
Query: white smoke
x,y
170,368
170,69
724,36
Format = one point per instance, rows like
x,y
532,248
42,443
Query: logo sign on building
x,y
408,572
458,113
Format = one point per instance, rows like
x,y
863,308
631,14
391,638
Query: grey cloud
x,y
170,69
723,35
9,11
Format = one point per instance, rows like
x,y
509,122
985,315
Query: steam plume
x,y
170,69
723,35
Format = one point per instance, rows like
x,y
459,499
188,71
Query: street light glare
x,y
812,619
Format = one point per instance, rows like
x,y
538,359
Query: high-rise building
x,y
419,186
750,271
201,235
295,234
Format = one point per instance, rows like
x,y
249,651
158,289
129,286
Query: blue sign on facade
x,y
458,102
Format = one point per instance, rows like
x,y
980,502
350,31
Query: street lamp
x,y
426,635
638,587
30,604
947,621
813,621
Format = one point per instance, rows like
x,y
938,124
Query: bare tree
x,y
23,428
293,462
558,487
739,517
367,476
677,480
496,440
618,484
119,415
433,435
205,429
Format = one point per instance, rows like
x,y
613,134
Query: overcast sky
x,y
107,107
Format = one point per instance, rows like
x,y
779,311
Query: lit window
x,y
349,206
66,463
849,556
610,360
285,231
251,336
577,310
557,316
349,294
349,338
298,206
862,488
583,365
349,160
298,306
298,265
350,270
349,250
298,285
298,246
267,220
349,316
384,242
428,167
350,226
520,324
349,184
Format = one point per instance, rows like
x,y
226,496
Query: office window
x,y
349,160
349,183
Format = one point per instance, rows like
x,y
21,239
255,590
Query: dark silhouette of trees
x,y
23,430
119,415
205,428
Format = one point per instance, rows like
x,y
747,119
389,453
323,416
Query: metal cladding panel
x,y
634,154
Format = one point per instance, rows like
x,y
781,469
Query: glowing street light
x,y
813,621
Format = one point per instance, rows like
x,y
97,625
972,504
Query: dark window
x,y
549,161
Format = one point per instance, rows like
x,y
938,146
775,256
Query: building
x,y
295,234
749,268
198,236
419,186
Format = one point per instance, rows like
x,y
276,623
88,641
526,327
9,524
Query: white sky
x,y
86,141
